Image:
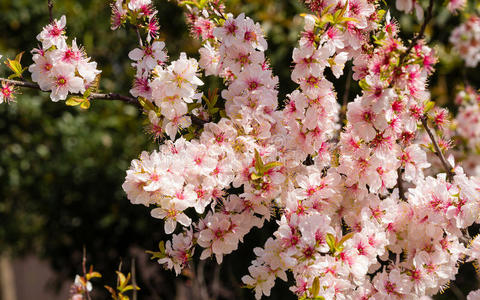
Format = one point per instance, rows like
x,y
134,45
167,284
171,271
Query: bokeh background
x,y
61,168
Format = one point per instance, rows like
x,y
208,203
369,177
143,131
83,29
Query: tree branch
x,y
98,96
343,109
84,268
134,280
93,96
401,188
446,165
448,168
140,42
50,10
420,34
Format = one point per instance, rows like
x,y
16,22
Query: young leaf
x,y
345,238
258,162
74,101
15,66
315,287
85,104
91,275
272,165
331,242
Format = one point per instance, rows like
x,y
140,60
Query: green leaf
x,y
121,278
126,289
328,18
214,99
347,19
87,93
331,242
272,165
258,162
112,291
93,275
326,9
192,106
161,246
147,105
255,176
428,106
159,254
15,66
94,85
345,238
364,85
315,287
74,101
85,104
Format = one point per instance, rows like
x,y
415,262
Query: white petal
x,y
170,225
136,54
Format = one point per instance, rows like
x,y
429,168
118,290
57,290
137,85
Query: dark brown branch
x,y
93,96
98,96
134,279
50,10
84,268
446,165
343,109
420,34
401,188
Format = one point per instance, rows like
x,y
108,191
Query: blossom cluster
x,y
61,68
361,211
196,174
348,228
80,288
465,40
165,90
170,88
7,92
468,117
140,12
414,5
467,129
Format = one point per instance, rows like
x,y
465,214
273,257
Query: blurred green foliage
x,y
61,168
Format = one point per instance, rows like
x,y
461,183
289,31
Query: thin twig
x,y
420,34
84,268
98,96
448,168
413,42
50,10
120,271
134,280
140,41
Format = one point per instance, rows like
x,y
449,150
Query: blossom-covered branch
x,y
420,35
92,96
364,215
446,164
95,96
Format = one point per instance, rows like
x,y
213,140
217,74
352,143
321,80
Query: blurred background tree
x,y
62,168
